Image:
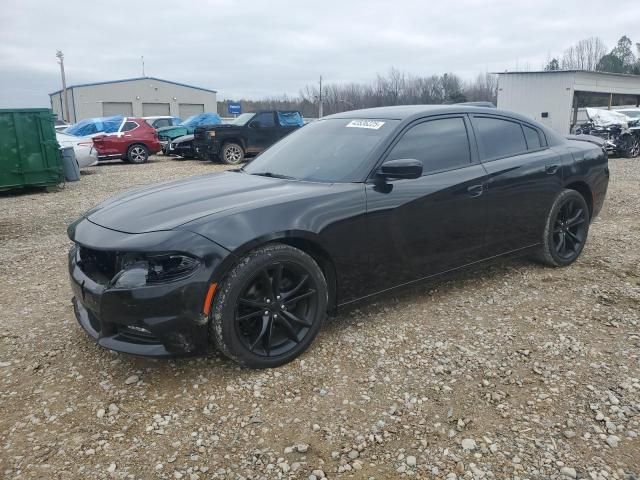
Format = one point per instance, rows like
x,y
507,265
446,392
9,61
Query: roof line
x,y
134,79
506,72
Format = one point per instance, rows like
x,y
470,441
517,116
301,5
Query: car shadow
x,y
369,312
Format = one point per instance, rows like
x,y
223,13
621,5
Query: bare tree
x,y
584,55
483,89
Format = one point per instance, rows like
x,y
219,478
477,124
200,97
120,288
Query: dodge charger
x,y
251,261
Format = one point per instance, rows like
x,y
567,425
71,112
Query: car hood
x,y
183,138
169,205
174,131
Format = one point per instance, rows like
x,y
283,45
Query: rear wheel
x,y
565,231
270,307
137,153
232,153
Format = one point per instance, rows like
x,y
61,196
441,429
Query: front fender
x,y
334,220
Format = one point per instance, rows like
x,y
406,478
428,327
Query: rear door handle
x,y
551,169
475,190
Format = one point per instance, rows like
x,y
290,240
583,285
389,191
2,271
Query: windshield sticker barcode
x,y
372,124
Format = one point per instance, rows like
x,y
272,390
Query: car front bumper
x,y
207,150
155,320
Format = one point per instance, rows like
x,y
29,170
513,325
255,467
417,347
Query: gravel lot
x,y
513,371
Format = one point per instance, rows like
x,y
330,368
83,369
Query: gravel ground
x,y
513,371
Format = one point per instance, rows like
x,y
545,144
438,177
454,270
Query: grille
x,y
99,266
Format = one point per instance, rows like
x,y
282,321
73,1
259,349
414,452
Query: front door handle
x,y
475,190
551,169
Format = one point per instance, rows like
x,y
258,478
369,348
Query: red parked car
x,y
134,141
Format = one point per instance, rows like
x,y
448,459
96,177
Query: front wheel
x,y
137,154
566,230
232,153
269,307
629,146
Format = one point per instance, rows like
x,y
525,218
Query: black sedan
x,y
252,260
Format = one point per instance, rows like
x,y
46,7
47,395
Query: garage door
x,y
188,109
117,108
155,109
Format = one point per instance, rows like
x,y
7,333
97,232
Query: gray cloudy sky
x,y
256,48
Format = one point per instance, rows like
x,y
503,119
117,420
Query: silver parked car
x,y
86,154
162,121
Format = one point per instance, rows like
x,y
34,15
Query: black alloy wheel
x,y
276,309
566,230
270,307
570,232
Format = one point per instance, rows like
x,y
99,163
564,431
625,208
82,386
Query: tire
x,y
232,153
250,325
630,146
566,230
137,153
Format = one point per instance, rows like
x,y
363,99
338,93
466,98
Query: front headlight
x,y
138,271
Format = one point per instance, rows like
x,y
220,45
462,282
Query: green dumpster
x,y
29,152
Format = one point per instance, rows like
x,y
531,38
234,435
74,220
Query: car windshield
x,y
630,113
242,119
328,150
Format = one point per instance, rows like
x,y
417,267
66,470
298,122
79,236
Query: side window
x,y
162,122
533,138
439,144
265,119
499,138
128,126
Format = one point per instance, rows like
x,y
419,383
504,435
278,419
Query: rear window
x,y
129,126
499,138
533,138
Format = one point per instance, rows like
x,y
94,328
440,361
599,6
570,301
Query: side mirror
x,y
255,124
401,168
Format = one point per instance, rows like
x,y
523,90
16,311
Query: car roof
x,y
407,112
156,117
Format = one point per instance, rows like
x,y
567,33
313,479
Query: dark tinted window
x,y
129,126
330,150
533,139
438,144
265,120
499,138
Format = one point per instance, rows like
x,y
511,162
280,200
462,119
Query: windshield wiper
x,y
273,175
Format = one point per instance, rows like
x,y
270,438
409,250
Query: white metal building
x,y
553,97
138,97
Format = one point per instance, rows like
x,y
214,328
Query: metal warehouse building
x,y
139,97
554,97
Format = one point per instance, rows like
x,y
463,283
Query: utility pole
x,y
60,56
320,99
142,58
